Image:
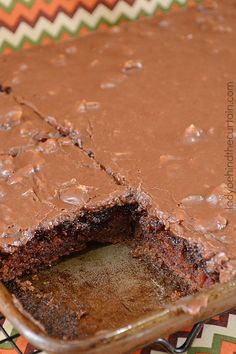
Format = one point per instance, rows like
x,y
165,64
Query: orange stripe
x,y
216,318
228,348
22,343
46,41
191,3
7,351
7,51
188,329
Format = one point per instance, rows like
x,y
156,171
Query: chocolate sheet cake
x,y
149,105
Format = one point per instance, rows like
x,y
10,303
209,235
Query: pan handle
x,y
186,345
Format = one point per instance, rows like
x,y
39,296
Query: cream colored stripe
x,y
8,327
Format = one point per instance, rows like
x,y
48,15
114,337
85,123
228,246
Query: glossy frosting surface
x,y
45,181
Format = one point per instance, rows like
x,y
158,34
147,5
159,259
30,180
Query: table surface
x,y
218,336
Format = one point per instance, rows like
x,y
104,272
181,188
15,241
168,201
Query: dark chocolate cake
x,y
129,135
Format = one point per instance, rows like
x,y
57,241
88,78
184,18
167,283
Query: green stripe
x,y
10,7
6,345
216,345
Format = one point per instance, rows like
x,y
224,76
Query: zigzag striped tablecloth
x,y
218,336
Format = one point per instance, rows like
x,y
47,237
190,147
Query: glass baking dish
x,y
110,275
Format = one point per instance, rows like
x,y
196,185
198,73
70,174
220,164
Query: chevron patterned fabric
x,y
218,336
24,23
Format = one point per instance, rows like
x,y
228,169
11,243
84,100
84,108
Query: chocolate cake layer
x,y
152,103
54,200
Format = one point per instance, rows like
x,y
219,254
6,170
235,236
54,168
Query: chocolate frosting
x,y
20,128
47,180
47,185
148,101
